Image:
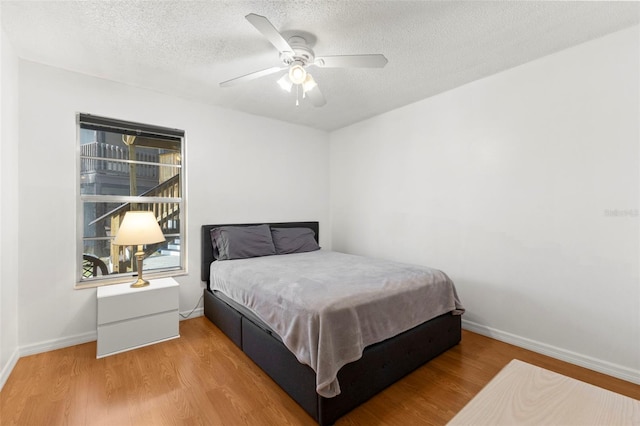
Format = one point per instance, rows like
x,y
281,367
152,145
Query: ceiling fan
x,y
296,56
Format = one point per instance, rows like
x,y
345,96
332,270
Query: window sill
x,y
120,279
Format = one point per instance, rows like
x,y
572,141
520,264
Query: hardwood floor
x,y
203,379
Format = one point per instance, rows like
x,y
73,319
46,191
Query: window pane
x,y
101,223
118,164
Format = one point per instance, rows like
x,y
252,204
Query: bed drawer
x,y
226,318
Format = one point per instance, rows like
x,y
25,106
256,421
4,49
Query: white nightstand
x,y
130,318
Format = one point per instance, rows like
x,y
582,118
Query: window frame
x,y
99,123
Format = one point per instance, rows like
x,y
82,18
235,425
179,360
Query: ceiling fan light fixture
x,y
309,83
285,83
297,74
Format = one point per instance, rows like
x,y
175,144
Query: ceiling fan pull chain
x,y
297,95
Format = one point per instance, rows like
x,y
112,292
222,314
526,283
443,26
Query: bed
x,y
381,364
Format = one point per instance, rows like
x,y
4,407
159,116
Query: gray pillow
x,y
294,240
240,242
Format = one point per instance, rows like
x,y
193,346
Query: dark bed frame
x,y
381,364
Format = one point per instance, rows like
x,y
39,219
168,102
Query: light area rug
x,y
523,394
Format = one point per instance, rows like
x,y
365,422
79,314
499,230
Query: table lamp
x,y
139,228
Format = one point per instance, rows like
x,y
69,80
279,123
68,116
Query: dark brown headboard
x,y
207,249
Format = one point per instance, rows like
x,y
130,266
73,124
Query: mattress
x,y
327,307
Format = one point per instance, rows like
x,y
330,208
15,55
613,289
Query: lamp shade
x,y
137,228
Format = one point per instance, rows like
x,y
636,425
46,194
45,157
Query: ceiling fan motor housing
x,y
302,53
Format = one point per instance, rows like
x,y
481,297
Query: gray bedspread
x,y
328,306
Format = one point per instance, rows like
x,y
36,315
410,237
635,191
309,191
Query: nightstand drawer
x,y
120,302
125,335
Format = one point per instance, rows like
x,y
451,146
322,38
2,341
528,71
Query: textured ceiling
x,y
186,48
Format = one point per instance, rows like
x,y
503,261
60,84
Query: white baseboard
x,y
53,344
8,367
64,342
585,361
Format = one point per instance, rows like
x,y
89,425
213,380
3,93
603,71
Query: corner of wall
x,y
8,366
9,349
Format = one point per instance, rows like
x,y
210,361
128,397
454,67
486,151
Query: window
x,y
126,166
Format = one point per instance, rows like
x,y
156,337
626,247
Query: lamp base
x,y
140,283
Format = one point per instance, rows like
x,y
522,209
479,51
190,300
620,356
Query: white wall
x,y
511,184
239,168
9,241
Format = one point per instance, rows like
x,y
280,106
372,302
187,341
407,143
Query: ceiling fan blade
x,y
352,61
315,96
267,29
250,76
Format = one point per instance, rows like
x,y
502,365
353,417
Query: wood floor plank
x,y
203,379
